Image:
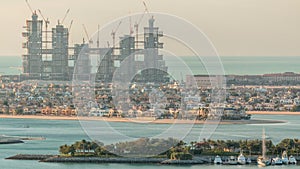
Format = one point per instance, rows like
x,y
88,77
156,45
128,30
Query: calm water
x,y
232,65
58,132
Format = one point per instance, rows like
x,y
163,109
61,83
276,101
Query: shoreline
x,y
273,113
141,120
197,160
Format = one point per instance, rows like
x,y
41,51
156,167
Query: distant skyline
x,y
235,27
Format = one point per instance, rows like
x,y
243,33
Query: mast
x,y
264,144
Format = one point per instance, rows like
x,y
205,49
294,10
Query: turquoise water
x,y
59,132
232,65
10,65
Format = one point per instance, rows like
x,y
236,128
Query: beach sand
x,y
140,120
273,112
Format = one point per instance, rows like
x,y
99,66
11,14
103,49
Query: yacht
x,y
292,160
232,160
241,159
249,161
218,160
276,161
262,161
284,158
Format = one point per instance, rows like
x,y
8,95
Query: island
x,y
150,150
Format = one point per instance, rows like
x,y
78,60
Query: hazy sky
x,y
235,27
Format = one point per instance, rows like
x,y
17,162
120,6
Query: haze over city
x,y
235,27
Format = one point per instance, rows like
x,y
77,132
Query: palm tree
x,y
83,144
72,150
77,146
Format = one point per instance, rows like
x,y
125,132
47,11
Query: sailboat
x,y
262,160
285,158
241,159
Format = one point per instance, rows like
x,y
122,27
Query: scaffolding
x,y
32,60
47,52
140,56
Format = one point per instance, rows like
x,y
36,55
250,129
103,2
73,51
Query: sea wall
x,y
102,160
30,157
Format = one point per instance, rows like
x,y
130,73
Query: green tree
x,y
64,149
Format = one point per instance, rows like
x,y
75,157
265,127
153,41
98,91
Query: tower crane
x,y
136,25
113,34
28,5
98,45
66,14
87,35
62,21
46,32
70,26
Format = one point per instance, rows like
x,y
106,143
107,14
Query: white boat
x,y
241,159
232,161
284,158
262,161
276,161
218,160
292,160
249,161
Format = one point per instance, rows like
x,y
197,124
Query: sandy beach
x,y
273,112
140,120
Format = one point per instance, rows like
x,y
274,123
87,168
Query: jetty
x,y
29,157
127,160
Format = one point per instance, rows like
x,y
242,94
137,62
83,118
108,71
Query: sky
x,y
235,27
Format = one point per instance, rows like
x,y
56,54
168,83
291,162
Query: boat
x,y
284,158
241,159
218,160
248,161
292,160
232,161
276,161
263,161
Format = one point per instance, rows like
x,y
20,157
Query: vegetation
x,y
85,148
178,150
250,147
142,147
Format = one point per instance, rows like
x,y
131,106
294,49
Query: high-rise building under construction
x,y
49,56
141,58
47,52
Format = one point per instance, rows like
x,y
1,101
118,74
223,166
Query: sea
x,y
60,132
239,65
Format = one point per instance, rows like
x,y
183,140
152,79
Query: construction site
x,y
50,57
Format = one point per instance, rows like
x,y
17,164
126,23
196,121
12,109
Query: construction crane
x,y
62,21
136,25
87,35
28,5
46,32
70,26
130,25
98,45
113,33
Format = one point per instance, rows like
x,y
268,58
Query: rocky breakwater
x,y
30,157
59,159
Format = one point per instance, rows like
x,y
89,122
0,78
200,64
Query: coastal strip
x,y
11,141
57,159
127,160
135,120
29,157
273,112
